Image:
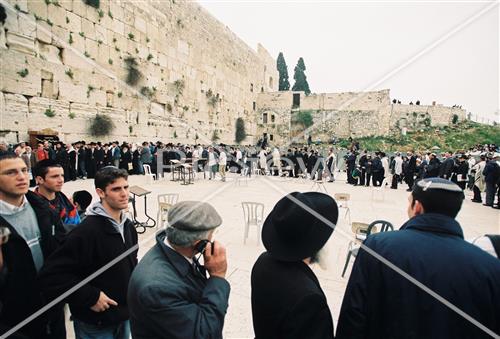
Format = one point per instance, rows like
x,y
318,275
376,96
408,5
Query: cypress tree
x,y
284,84
300,78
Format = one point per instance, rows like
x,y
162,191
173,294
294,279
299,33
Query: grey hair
x,y
184,238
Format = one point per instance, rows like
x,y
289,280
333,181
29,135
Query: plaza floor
x,y
365,206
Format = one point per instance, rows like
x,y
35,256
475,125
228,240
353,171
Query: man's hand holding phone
x,y
215,259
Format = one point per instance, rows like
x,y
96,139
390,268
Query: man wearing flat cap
x,y
170,294
430,248
287,300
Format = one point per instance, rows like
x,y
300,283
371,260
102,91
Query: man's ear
x,y
100,193
418,208
39,180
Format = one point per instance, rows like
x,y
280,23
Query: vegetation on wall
x,y
304,118
101,125
240,133
23,73
215,136
462,136
49,112
93,3
133,73
179,86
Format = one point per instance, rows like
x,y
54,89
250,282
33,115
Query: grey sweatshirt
x,y
98,209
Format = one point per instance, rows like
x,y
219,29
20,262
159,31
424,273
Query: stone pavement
x,y
227,197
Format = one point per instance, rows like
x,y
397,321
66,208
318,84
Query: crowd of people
x,y
73,251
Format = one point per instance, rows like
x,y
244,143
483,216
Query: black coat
x,y
447,167
380,303
87,248
20,294
287,301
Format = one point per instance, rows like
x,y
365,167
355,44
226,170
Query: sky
x,y
440,51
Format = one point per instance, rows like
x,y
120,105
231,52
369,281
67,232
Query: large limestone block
x,y
103,55
21,43
50,89
93,14
50,52
140,24
27,26
43,32
57,15
97,98
76,60
91,47
118,27
101,34
38,8
14,113
15,104
88,28
116,10
78,42
79,8
82,110
73,93
75,22
66,4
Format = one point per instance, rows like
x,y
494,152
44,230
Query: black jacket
x,y
87,248
287,301
447,167
20,293
380,303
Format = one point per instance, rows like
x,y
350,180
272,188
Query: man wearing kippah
x,y
382,303
170,295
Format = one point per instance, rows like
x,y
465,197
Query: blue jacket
x,y
168,300
380,303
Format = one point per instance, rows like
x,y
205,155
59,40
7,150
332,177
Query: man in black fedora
x,y
287,300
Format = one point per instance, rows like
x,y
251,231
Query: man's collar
x,y
176,259
436,223
9,209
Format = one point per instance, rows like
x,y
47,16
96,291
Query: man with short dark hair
x,y
170,295
36,231
99,308
49,176
82,200
430,247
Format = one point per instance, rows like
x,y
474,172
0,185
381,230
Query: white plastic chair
x,y
253,213
165,201
343,202
380,190
148,173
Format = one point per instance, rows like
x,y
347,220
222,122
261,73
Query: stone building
x,y
164,70
343,115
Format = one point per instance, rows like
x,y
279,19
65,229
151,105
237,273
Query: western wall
x,y
63,62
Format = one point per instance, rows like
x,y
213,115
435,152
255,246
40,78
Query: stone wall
x,y
67,59
345,115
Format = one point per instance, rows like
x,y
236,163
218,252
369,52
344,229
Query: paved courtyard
x,y
365,206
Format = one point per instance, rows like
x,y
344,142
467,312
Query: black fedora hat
x,y
292,232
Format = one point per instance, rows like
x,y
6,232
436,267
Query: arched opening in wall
x,y
262,90
271,137
296,100
251,87
254,105
264,118
272,117
271,82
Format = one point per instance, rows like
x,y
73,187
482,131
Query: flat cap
x,y
193,216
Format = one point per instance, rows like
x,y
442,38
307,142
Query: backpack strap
x,y
495,240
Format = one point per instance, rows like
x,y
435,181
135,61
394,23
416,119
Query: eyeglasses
x,y
14,172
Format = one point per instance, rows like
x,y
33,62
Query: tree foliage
x,y
305,118
284,84
240,133
300,78
133,73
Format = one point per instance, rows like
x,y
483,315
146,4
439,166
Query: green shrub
x,y
93,3
179,86
49,112
305,118
69,73
23,73
240,133
71,115
133,73
101,125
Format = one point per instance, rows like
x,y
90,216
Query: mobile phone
x,y
4,234
200,247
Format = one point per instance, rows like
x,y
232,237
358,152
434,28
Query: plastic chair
x,y
253,213
343,202
361,231
148,173
380,190
165,202
319,186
